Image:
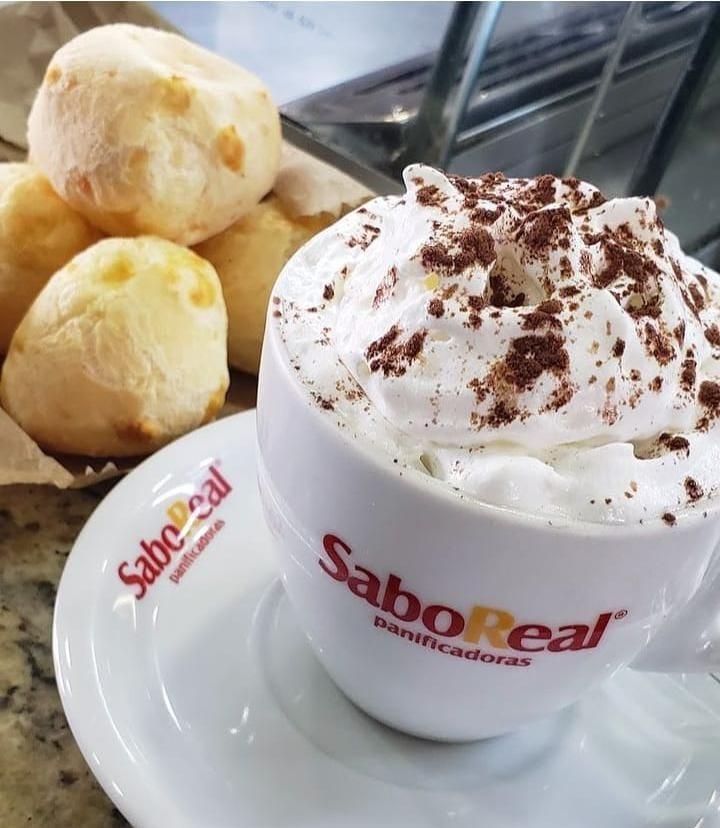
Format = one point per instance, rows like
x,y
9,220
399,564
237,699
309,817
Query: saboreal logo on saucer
x,y
171,547
446,629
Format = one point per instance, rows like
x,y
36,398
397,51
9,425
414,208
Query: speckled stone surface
x,y
44,780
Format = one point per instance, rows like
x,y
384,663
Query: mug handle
x,y
689,640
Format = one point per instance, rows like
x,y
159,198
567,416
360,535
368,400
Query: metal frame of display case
x,y
474,93
433,135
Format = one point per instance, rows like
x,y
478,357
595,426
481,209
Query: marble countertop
x,y
44,780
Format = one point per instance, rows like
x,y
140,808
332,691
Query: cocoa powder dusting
x,y
414,345
430,196
370,233
619,259
392,357
712,334
657,346
530,356
679,332
471,246
482,215
618,348
436,308
569,290
675,442
324,402
385,288
502,294
565,271
688,370
697,296
328,292
693,489
709,395
546,229
541,192
539,319
501,414
379,345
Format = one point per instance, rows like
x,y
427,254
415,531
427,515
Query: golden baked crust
x,y
39,233
308,196
123,350
144,132
248,257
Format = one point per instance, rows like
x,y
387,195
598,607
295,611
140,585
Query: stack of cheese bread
x,y
116,335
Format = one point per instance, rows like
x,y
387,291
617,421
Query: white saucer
x,y
202,706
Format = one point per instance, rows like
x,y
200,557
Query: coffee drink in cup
x,y
489,410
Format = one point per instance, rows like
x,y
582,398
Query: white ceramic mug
x,y
452,619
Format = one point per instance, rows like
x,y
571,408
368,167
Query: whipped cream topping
x,y
524,340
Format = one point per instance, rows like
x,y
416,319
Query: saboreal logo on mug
x,y
492,626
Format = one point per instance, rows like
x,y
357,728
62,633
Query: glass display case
x,y
626,95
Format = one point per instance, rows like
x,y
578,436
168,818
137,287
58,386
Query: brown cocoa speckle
x,y
693,489
620,259
566,270
379,345
655,383
530,356
430,196
618,348
697,296
688,371
546,229
501,414
669,518
324,402
539,319
674,442
370,233
392,357
712,334
464,248
482,215
385,288
541,191
657,345
414,345
502,294
328,292
709,395
436,308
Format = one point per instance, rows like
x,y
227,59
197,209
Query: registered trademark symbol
x,y
620,614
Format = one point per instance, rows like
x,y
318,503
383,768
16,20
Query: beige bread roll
x,y
308,196
123,350
144,132
248,257
39,233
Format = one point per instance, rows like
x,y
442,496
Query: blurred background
x,y
626,95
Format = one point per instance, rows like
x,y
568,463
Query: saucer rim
x,y
142,805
